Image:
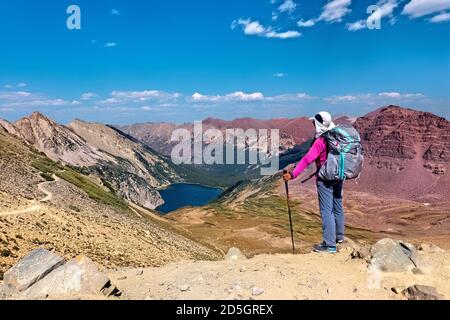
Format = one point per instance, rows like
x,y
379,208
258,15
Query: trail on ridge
x,y
35,205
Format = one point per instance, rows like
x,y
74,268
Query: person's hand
x,y
287,176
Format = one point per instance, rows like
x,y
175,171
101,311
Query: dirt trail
x,y
307,276
34,204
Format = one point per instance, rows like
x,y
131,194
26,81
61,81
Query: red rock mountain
x,y
407,153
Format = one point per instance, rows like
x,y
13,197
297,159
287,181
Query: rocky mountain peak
x,y
400,133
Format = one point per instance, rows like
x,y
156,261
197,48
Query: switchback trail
x,y
35,205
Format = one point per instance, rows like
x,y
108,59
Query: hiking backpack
x,y
345,154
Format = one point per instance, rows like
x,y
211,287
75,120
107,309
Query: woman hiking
x,y
329,191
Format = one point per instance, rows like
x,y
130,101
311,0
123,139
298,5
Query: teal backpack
x,y
345,154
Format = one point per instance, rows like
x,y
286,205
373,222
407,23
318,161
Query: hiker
x,y
331,175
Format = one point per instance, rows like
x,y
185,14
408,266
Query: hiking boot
x,y
320,248
340,241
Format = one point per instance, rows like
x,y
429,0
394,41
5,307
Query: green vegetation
x,y
46,165
93,190
47,177
73,176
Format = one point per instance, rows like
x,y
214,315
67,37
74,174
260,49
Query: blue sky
x,y
137,61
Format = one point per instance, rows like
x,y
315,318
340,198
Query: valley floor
x,y
279,277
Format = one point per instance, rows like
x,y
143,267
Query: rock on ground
x,y
32,268
419,292
79,276
396,256
43,274
257,291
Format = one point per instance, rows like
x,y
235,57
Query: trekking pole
x,y
289,211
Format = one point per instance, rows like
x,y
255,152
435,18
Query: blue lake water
x,y
182,195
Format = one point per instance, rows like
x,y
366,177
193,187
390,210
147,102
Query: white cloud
x,y
235,96
41,103
88,96
398,95
357,25
288,6
15,95
19,99
390,94
386,9
419,8
144,95
123,97
335,10
110,44
337,99
115,12
240,96
200,97
279,75
375,98
19,85
283,35
290,97
275,16
443,17
255,28
307,23
110,101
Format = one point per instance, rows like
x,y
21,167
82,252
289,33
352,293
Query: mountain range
x,y
407,152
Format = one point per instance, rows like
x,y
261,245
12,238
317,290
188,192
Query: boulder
x,y
78,277
419,292
390,256
32,268
235,254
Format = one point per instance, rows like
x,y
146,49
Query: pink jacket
x,y
317,153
